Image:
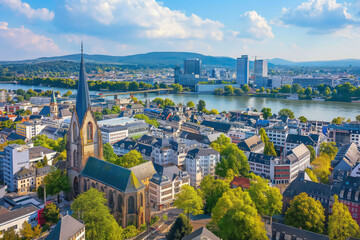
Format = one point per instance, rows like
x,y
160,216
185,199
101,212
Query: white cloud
x,y
21,42
150,18
25,8
253,26
320,16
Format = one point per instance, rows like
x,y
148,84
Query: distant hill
x,y
330,63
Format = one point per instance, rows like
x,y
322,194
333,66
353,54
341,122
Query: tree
x,y
133,86
268,200
201,105
322,166
266,112
10,234
220,143
219,91
287,112
214,112
51,214
338,120
269,148
180,228
238,91
235,217
109,154
152,122
229,90
177,88
131,159
329,148
189,200
311,175
357,118
115,109
341,225
308,91
98,116
312,152
303,119
99,222
285,88
262,89
232,158
295,88
56,182
306,213
212,191
26,231
245,88
190,104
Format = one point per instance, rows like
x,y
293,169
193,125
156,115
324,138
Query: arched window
x,y
85,186
120,202
141,199
131,205
111,200
93,185
89,132
75,162
74,134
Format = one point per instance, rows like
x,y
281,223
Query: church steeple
x,y
82,97
54,110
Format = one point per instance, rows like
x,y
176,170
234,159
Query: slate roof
x,y
193,136
45,111
127,143
35,152
65,228
19,212
167,174
144,148
23,173
122,179
251,144
43,171
144,170
260,158
349,153
201,233
14,136
202,152
298,139
217,126
348,189
284,232
6,131
82,96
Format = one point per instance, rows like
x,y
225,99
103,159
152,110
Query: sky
x,y
296,30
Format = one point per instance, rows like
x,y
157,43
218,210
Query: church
x,y
126,194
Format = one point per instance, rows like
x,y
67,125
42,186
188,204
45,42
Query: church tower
x,y
84,138
54,110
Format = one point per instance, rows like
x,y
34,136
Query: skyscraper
x,y
242,70
192,66
260,72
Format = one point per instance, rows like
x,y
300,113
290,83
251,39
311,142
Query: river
x,y
313,110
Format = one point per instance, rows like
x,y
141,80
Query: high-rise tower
x,y
242,70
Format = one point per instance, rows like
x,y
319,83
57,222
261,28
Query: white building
x,y
167,151
242,70
165,184
15,219
278,135
29,129
113,134
16,157
201,162
38,153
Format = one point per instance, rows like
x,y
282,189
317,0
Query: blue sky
x,y
298,30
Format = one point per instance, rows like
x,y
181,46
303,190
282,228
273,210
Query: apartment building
x,y
294,140
112,134
344,133
169,151
16,157
29,129
201,162
165,184
24,181
278,134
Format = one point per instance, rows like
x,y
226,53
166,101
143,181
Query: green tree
x,y
285,88
214,112
180,228
189,200
266,112
303,119
322,166
115,109
26,231
357,118
229,90
190,104
130,232
109,154
219,91
56,182
311,174
232,158
152,122
329,148
133,86
212,191
235,217
201,105
245,88
67,94
91,208
269,148
268,200
312,152
131,159
306,213
51,214
287,112
338,120
308,91
220,143
10,234
238,91
177,88
262,89
341,225
295,88
98,116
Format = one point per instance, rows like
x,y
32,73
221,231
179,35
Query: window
x,y
74,132
131,205
89,132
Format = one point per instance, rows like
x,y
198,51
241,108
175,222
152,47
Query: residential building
x,y
112,134
16,157
29,129
165,184
124,146
192,66
201,162
294,140
24,181
201,234
41,173
344,133
68,228
356,171
168,151
15,218
242,70
38,153
278,134
261,164
284,232
347,157
313,82
252,144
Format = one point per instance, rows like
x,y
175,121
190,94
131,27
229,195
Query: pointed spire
x,y
53,98
82,96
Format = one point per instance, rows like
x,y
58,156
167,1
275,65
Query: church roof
x,y
66,228
122,179
82,96
53,98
